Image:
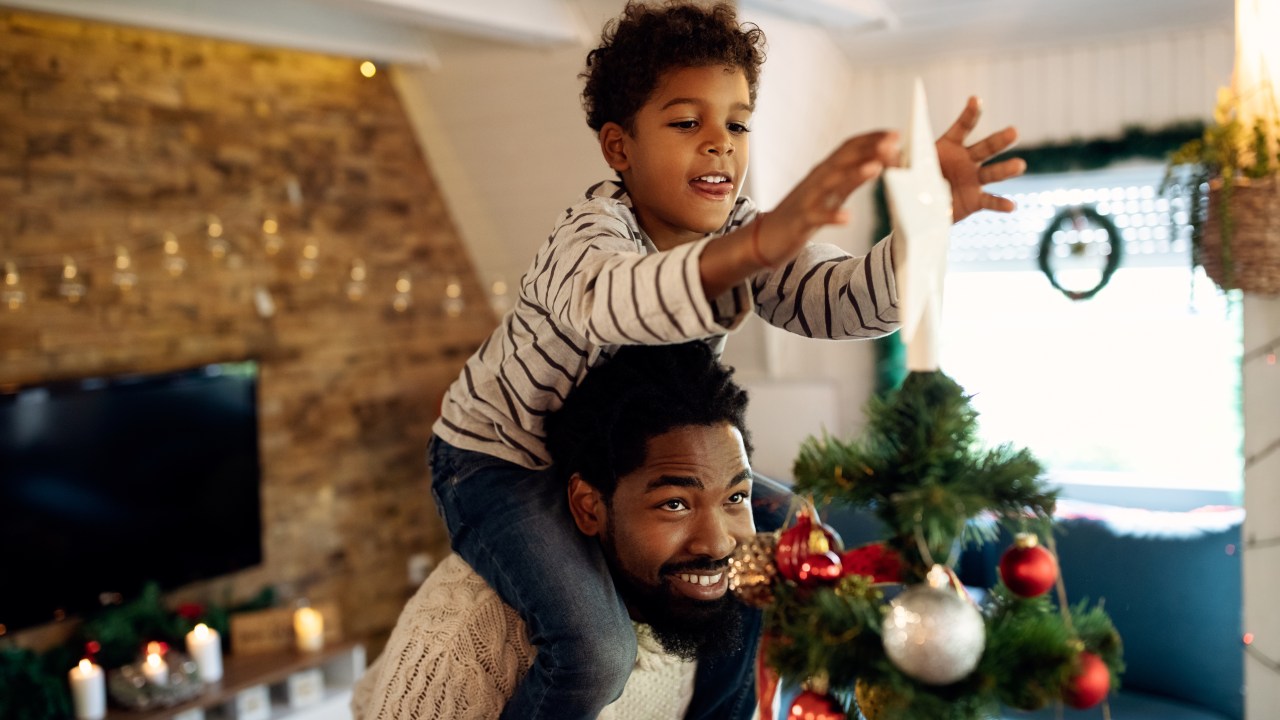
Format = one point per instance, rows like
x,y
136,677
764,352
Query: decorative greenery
x,y
1070,216
919,468
1225,152
34,686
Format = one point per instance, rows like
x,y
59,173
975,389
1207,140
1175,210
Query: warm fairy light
x,y
356,286
453,289
70,288
215,227
123,277
14,297
1248,638
173,262
217,244
1271,358
271,240
307,265
154,648
402,298
368,69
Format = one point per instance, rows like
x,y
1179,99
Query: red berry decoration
x,y
1028,569
875,560
1090,685
810,705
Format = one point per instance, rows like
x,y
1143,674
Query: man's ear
x,y
614,147
587,506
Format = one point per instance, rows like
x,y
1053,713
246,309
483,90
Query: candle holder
x,y
130,687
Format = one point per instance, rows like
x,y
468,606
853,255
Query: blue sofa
x,y
1171,583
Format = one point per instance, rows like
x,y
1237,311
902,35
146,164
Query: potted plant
x,y
1230,178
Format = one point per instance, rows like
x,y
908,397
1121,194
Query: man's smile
x,y
708,585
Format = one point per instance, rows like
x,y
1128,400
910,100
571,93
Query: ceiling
x,y
868,31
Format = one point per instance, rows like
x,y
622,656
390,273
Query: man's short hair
x,y
638,47
643,391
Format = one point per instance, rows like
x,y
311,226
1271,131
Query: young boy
x,y
668,252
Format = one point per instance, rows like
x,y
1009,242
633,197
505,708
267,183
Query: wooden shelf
x,y
239,673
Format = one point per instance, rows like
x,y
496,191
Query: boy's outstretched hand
x,y
962,166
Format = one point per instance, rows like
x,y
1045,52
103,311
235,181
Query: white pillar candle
x,y
155,668
308,628
205,647
88,690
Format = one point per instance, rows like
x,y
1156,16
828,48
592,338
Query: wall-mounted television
x,y
108,483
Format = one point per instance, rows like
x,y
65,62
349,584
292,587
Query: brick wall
x,y
111,137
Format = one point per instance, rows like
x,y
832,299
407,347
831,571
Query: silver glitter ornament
x,y
933,634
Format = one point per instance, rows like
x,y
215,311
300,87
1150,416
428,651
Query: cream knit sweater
x,y
457,653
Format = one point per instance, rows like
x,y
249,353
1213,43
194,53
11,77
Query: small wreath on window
x,y
1077,217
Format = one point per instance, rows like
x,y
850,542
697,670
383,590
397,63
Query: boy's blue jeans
x,y
512,525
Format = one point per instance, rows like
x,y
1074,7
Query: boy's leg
x,y
512,525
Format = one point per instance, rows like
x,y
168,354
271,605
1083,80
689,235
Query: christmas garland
x,y
1074,216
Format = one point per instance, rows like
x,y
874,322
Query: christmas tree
x,y
889,626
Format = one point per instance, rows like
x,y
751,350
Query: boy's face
x,y
685,160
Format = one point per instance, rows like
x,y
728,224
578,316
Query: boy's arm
x,y
775,240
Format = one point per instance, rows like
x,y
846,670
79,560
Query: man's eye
x,y
685,124
673,505
738,498
738,128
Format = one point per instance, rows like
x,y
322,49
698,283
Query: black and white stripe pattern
x,y
598,282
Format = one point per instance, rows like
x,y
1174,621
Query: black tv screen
x,y
109,483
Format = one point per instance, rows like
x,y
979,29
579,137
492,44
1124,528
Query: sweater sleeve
x,y
457,651
827,293
595,277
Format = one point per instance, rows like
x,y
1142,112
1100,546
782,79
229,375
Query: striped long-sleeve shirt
x,y
599,282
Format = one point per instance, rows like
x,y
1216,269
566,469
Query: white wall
x,y
1261,557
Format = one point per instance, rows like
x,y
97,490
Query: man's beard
x,y
687,628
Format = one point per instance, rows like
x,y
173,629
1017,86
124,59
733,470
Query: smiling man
x,y
653,450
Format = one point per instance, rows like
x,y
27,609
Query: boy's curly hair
x,y
644,42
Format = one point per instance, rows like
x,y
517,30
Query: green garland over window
x,y
1134,143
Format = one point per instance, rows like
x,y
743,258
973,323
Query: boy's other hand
x,y
817,201
963,166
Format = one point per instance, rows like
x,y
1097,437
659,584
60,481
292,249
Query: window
x,y
1130,397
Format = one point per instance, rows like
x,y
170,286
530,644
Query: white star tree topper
x,y
920,206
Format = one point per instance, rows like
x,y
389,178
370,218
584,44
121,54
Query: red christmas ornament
x,y
875,560
819,568
810,705
800,542
1028,569
1090,685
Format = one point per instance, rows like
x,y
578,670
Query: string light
x,y
271,240
356,285
124,277
498,298
368,69
308,263
14,297
404,286
70,287
174,263
453,302
217,244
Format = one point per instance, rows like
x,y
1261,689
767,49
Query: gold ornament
x,y
752,571
874,701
